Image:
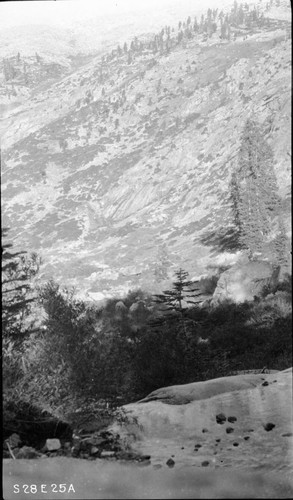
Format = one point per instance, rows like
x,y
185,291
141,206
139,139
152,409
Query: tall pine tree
x,y
254,189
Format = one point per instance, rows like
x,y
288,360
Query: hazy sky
x,y
67,11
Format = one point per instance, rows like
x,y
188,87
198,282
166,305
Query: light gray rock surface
x,y
186,393
53,444
245,281
248,402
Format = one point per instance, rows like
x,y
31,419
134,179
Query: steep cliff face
x,y
119,162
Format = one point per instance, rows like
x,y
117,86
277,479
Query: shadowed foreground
x,y
95,480
189,427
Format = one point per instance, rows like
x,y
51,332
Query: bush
x,y
84,354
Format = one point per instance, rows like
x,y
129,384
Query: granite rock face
x,y
245,281
246,425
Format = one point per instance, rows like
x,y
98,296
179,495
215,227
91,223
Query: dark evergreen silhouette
x,y
181,292
17,272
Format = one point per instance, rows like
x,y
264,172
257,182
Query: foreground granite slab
x,y
224,438
244,421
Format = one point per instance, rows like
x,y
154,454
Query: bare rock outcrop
x,y
245,281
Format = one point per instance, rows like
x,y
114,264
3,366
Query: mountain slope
x,y
126,156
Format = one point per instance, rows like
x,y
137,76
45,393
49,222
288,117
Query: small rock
x,y
75,450
144,463
107,454
265,383
205,430
182,447
220,418
96,441
27,452
269,426
287,434
232,419
95,450
52,444
218,440
235,444
197,446
126,455
170,462
142,458
205,463
229,430
246,438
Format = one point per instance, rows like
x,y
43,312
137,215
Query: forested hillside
x,y
146,236
130,158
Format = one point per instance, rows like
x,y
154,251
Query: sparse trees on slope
x,y
254,189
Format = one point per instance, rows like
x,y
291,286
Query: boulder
x,y
120,310
137,307
107,454
245,281
120,307
52,444
138,311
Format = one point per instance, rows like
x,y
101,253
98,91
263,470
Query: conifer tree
x,y
223,30
181,292
162,264
17,298
281,247
254,189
